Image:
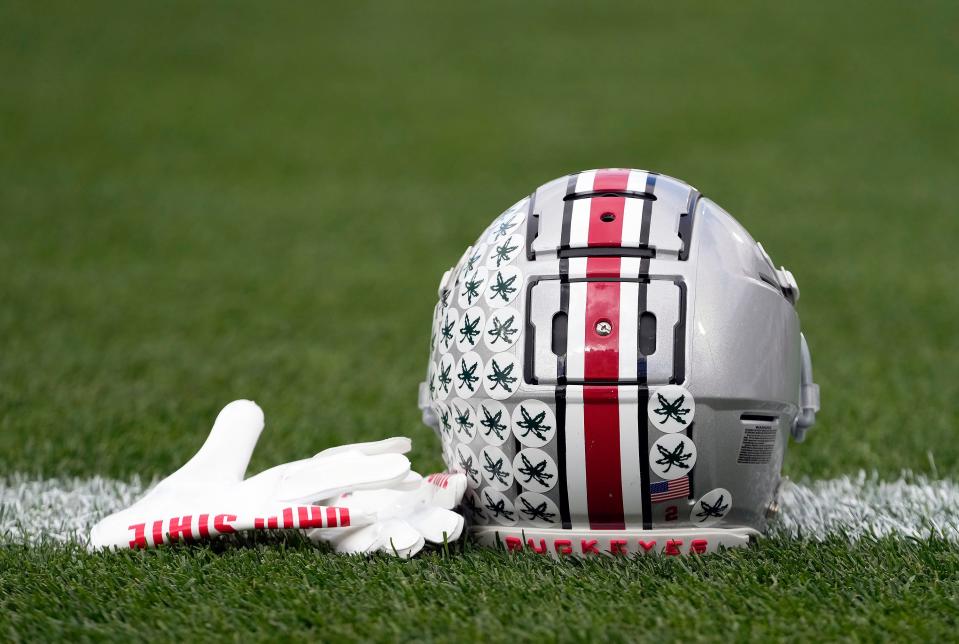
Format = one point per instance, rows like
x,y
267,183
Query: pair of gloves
x,y
360,498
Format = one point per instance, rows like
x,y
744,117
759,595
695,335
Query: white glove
x,y
404,519
208,495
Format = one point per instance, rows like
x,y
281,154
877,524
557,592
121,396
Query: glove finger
x,y
226,452
316,478
437,524
395,445
349,542
397,537
413,481
382,500
437,490
445,490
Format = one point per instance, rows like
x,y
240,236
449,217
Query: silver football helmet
x,y
616,365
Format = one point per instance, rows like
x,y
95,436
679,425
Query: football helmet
x,y
616,365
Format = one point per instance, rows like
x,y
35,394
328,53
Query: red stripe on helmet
x,y
604,486
601,353
606,213
611,180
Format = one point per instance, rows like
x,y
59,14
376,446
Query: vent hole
x,y
607,217
758,418
629,194
560,325
647,333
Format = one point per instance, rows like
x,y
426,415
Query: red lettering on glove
x,y
563,546
672,547
139,535
589,547
698,546
181,526
542,546
221,525
647,545
157,532
309,517
514,544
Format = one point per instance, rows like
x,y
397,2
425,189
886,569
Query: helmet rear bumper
x,y
585,543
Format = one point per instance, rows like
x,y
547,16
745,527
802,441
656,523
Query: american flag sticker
x,y
666,490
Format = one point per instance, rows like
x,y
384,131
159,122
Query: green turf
x,y
199,203
894,590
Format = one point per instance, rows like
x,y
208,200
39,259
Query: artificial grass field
x,y
202,203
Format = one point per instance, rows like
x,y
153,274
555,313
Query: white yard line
x,y
914,506
60,509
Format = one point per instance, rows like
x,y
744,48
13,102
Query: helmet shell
x,y
615,362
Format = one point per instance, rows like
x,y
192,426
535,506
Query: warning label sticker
x,y
759,440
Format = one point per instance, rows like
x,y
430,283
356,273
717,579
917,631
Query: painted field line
x,y
60,509
914,506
